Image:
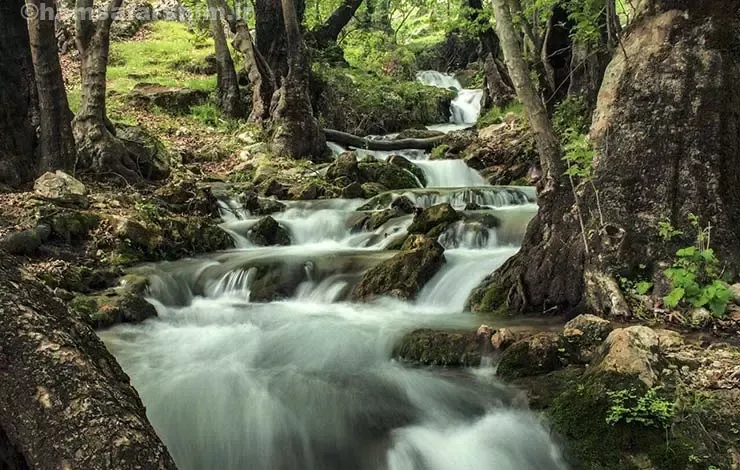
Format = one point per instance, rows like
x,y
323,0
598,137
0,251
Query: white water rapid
x,y
466,106
307,382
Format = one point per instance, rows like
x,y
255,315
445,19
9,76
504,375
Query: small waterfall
x,y
466,106
450,174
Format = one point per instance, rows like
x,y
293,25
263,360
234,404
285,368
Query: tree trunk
x,y
667,135
498,92
270,34
65,403
227,84
97,146
329,31
344,138
17,89
56,145
499,88
297,131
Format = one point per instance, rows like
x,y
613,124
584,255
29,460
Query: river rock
x,y
404,274
436,218
583,335
503,338
440,348
59,187
407,165
352,191
344,166
403,204
123,304
260,206
267,232
531,356
387,175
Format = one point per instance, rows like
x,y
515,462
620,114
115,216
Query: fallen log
x,y
345,138
65,403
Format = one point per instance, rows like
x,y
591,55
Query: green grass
x,y
161,58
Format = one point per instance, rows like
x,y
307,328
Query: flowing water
x,y
307,383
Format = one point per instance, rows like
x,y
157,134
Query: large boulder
x,y
583,335
61,188
152,157
404,275
531,356
25,242
267,231
440,348
434,219
387,175
407,165
345,166
176,100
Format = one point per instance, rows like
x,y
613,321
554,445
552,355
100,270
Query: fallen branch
x,y
344,138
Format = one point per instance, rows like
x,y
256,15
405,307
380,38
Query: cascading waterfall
x,y
306,383
466,106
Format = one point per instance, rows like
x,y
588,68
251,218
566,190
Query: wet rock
x,y
376,220
407,165
276,282
503,338
59,187
387,175
274,188
267,232
175,100
473,206
152,157
532,356
436,218
440,348
352,191
260,206
123,304
403,275
583,335
403,204
372,189
344,166
309,191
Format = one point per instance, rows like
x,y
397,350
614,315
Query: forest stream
x,y
306,383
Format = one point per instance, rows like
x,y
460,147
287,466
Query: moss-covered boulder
x,y
404,275
152,158
176,100
387,175
582,336
267,232
256,205
61,188
531,356
123,304
440,348
436,218
345,166
372,189
407,165
71,226
276,282
25,242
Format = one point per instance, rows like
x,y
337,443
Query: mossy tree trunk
x,y
666,131
328,32
97,146
227,84
17,93
56,144
296,131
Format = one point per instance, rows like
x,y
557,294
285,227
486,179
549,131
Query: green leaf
x,y
674,297
643,287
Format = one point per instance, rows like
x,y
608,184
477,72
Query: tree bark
x,y
666,131
329,31
297,132
56,144
270,34
97,146
499,87
17,90
65,403
344,138
227,83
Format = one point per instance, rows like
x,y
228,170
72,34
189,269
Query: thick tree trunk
x,y
17,89
56,144
65,403
97,146
499,87
270,34
258,70
667,137
344,138
227,84
329,31
297,131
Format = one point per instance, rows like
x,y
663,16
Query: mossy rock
x,y
531,356
440,348
436,218
124,304
71,226
579,415
387,175
276,282
487,298
407,165
267,232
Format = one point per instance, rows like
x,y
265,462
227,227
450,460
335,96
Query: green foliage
x,y
571,115
696,273
377,52
667,231
649,409
496,115
578,154
438,152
